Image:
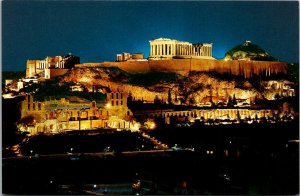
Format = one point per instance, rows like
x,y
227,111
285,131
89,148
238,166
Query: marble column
x,y
180,50
168,49
161,49
153,48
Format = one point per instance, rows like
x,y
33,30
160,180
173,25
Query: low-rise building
x,y
130,57
51,66
75,113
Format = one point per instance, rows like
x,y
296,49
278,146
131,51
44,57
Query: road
x,y
94,154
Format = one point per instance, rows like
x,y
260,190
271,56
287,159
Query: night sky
x,y
96,31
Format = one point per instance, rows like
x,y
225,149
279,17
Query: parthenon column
x,y
174,49
160,49
168,49
180,49
153,47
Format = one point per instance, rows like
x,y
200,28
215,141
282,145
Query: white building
x,y
163,48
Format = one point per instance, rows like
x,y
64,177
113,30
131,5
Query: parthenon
x,y
170,48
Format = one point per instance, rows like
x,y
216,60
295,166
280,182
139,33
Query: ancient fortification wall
x,y
182,66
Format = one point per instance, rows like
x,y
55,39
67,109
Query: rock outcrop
x,y
244,68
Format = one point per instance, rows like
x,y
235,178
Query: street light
x,y
71,150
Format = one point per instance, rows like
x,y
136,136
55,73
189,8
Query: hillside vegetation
x,y
248,50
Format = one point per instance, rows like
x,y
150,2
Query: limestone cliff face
x,y
245,68
195,88
111,80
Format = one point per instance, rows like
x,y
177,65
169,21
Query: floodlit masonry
x,y
130,57
74,113
50,66
162,48
246,69
215,114
169,55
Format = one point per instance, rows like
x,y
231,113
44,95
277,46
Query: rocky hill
x,y
248,50
196,88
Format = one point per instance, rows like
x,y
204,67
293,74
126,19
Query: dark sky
x,y
96,31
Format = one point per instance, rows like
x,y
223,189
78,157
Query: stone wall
x,y
51,73
246,69
231,114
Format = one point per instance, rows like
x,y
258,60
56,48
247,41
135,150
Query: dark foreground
x,y
170,172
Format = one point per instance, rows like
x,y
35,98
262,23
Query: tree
x,y
169,97
234,102
157,101
129,98
277,96
229,102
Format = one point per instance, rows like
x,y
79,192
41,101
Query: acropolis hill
x,y
247,69
168,55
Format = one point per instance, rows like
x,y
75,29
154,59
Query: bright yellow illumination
x,y
149,124
152,126
107,105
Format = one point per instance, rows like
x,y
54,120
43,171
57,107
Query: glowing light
x,y
150,124
107,105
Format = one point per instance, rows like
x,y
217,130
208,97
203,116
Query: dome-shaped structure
x,y
248,51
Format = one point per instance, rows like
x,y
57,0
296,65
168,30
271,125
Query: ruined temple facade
x,y
130,57
73,113
50,66
164,48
